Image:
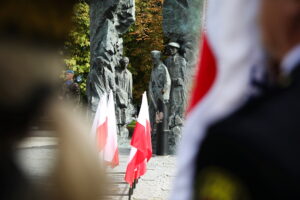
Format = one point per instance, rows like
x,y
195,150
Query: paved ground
x,y
37,155
156,184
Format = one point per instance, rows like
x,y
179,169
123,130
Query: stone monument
x,y
108,20
159,94
123,98
181,24
176,65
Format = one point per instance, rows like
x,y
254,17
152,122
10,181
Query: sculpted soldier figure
x,y
176,65
159,90
124,77
123,97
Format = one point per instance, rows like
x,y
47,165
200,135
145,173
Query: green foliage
x,y
77,48
143,37
132,124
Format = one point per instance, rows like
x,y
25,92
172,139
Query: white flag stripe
x,y
141,148
142,119
112,138
133,151
144,111
143,116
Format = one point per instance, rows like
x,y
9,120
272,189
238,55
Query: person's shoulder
x,y
162,65
265,127
241,149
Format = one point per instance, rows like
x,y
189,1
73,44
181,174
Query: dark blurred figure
x,y
31,33
254,153
71,89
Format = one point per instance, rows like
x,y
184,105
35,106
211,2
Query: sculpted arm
x,y
182,76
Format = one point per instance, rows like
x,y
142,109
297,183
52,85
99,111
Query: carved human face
x,y
124,62
155,59
173,50
280,26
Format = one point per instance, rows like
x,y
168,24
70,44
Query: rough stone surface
x,y
181,24
109,19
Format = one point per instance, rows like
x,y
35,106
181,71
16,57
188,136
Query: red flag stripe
x,y
149,140
131,170
141,170
141,150
135,168
102,135
206,74
140,139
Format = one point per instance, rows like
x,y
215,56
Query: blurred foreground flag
x,y
99,128
104,130
111,152
230,48
141,147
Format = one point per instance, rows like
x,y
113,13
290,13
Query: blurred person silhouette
x,y
254,153
31,33
71,89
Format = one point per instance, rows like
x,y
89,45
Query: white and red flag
x,y
99,128
104,130
111,152
229,50
141,146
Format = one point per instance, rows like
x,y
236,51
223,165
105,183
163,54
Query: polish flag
x,y
99,128
104,131
110,151
141,146
229,50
